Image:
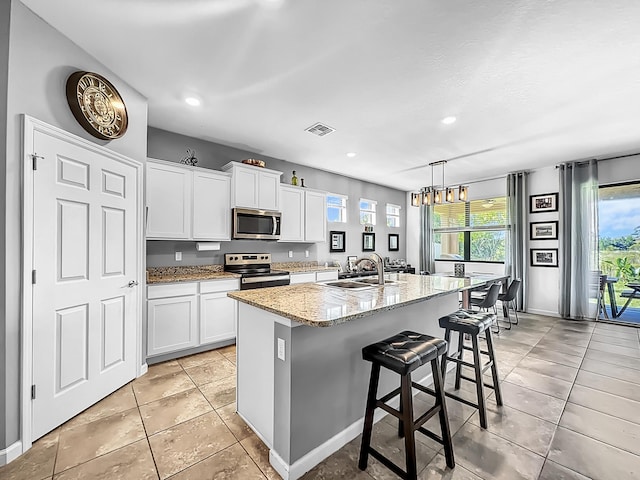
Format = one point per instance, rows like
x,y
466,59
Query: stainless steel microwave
x,y
256,224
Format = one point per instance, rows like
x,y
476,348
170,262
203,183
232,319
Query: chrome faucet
x,y
379,265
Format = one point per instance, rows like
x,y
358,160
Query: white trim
x,y
548,313
335,443
142,369
10,453
31,125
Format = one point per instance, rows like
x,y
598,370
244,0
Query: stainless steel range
x,y
255,270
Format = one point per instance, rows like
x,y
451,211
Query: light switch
x,y
290,253
178,256
306,253
281,349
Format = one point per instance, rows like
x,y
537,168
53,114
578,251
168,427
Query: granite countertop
x,y
319,305
193,273
302,267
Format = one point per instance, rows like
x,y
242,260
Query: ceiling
x,y
532,83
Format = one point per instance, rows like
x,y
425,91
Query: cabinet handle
x,y
132,283
146,218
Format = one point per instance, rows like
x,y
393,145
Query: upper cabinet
x,y
304,215
187,203
254,187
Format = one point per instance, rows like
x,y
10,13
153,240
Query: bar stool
x,y
403,353
468,322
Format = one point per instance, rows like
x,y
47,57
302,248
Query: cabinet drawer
x,y
213,286
302,278
324,276
172,290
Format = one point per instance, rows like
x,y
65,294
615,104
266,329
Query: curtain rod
x,y
606,158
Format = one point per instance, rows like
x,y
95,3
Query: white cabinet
x,y
304,215
254,187
315,216
292,218
211,208
168,200
218,313
186,315
306,277
187,203
326,276
172,321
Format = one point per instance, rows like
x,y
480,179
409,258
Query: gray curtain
x,y
426,239
516,258
578,255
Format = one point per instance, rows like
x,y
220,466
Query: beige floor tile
x,y
170,411
37,463
438,470
154,388
212,371
221,392
119,401
88,441
162,369
133,462
188,443
237,426
343,464
259,453
200,359
228,350
230,463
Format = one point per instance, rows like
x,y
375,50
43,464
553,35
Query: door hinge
x,y
33,392
34,158
33,277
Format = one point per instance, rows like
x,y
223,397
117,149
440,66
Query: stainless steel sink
x,y
374,281
349,284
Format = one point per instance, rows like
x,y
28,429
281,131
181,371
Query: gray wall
x,y
5,14
172,146
40,60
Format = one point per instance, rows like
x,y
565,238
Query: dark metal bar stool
x,y
403,353
472,324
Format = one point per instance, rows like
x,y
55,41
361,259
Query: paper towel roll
x,y
207,246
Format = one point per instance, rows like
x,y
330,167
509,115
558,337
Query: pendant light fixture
x,y
437,194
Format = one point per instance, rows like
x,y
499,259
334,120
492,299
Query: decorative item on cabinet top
x,y
190,159
254,162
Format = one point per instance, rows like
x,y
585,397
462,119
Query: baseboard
x,y
335,443
10,453
547,313
144,368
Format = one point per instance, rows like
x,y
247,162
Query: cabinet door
x,y
303,278
245,188
211,206
168,201
326,276
171,324
315,209
292,219
218,315
269,191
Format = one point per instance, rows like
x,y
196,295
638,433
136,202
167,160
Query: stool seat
x,y
405,351
468,321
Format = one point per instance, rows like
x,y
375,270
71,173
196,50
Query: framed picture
x,y
543,230
394,240
544,257
547,202
337,241
368,242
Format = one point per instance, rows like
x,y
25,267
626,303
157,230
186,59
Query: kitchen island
x,y
301,380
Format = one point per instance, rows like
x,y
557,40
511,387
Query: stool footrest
x,y
417,424
424,389
460,399
431,435
472,380
461,362
387,463
390,395
388,409
471,350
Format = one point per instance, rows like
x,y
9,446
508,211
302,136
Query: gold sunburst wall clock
x,y
97,105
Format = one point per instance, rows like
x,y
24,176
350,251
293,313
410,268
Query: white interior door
x,y
85,255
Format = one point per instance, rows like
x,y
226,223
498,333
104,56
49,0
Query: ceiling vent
x,y
320,129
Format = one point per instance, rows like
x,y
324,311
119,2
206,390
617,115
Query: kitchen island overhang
x,y
301,388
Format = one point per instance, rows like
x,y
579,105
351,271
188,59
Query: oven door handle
x,y
265,279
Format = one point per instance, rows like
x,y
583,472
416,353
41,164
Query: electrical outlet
x,y
306,253
281,349
178,256
290,253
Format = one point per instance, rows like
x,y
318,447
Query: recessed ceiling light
x,y
193,101
351,154
448,120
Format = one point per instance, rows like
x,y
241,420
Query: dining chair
x,y
602,306
488,301
508,300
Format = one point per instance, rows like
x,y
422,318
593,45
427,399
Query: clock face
x,y
96,105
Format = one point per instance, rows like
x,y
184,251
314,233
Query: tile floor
x,y
572,411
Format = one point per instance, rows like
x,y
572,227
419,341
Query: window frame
x,y
343,208
467,230
373,212
393,215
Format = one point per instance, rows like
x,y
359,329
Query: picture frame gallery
x,y
543,230
546,202
544,257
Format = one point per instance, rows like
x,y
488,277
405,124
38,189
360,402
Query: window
x,y
336,208
367,211
473,231
393,215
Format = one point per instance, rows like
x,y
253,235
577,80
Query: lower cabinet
x,y
187,315
306,277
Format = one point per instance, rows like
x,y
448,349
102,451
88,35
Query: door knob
x,y
132,283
